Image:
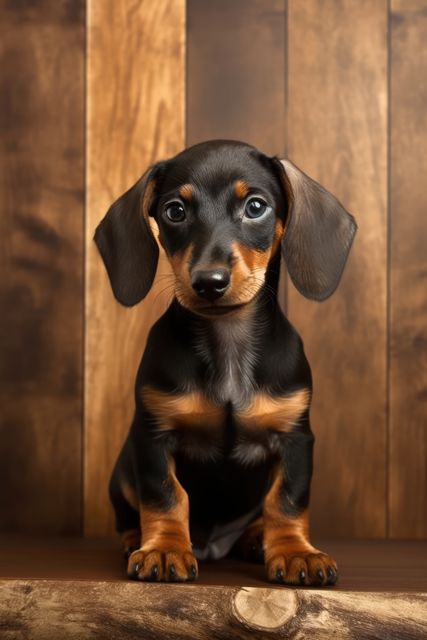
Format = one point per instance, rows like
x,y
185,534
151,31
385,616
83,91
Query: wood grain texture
x,y
51,609
135,94
236,72
408,259
41,275
338,135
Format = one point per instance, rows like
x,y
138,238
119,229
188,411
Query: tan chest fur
x,y
195,410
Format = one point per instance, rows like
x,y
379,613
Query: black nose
x,y
210,285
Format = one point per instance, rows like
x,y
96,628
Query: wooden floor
x,y
374,565
69,588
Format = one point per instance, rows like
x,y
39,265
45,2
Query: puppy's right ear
x,y
126,243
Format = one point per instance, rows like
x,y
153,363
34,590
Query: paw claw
x,y
332,576
154,573
280,576
301,567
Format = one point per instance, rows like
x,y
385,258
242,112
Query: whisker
x,y
159,293
165,276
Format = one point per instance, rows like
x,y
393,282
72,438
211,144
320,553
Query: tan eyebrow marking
x,y
186,191
241,189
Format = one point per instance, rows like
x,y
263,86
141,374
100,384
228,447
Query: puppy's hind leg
x,y
125,504
249,546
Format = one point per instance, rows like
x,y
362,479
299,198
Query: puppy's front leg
x,y
165,553
289,556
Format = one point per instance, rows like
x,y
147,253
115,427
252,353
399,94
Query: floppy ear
x,y
318,234
126,243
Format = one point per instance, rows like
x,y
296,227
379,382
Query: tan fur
x,y
283,534
186,192
180,263
167,530
275,413
250,266
246,279
278,235
252,259
241,189
147,200
177,411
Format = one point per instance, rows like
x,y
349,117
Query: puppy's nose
x,y
210,285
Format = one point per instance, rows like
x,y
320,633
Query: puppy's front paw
x,y
157,565
302,568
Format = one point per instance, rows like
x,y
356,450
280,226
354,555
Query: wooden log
x,y
45,609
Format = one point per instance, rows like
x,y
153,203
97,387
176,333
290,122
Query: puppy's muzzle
x,y
211,284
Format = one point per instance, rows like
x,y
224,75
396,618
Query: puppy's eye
x,y
175,212
255,208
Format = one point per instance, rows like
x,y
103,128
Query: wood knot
x,y
264,608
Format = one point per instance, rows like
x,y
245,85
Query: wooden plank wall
x,y
340,88
135,101
41,258
408,270
236,75
236,68
337,132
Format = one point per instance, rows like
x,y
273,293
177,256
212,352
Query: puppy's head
x,y
223,210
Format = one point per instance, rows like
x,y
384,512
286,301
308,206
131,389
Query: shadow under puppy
x,y
219,453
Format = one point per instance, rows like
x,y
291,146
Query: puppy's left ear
x,y
318,235
126,243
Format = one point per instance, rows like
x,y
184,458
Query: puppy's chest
x,y
204,428
229,354
226,411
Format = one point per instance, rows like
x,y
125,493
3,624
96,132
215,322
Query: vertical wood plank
x,y
135,93
408,288
236,75
41,278
338,134
236,72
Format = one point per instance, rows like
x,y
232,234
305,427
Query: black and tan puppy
x,y
219,454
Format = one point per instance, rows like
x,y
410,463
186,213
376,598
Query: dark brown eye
x,y
175,212
256,208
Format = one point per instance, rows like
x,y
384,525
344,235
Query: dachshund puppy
x,y
219,454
